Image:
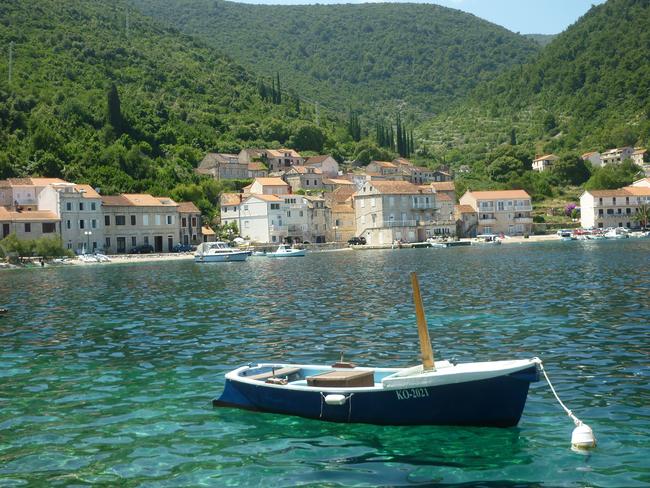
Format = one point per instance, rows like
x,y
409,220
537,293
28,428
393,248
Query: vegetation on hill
x,y
417,58
103,95
588,90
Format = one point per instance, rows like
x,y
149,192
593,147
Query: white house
x,y
542,163
616,155
593,157
326,163
612,208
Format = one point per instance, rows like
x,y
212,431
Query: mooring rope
x,y
575,419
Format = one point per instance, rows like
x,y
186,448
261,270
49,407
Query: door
x,y
5,230
121,245
158,243
170,244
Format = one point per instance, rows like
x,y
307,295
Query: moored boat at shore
x,y
218,252
286,251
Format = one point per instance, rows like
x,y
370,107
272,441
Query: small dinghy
x,y
441,393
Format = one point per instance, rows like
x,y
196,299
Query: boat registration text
x,y
411,393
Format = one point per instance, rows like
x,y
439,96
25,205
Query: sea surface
x,y
107,372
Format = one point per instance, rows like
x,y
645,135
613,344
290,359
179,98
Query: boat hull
x,y
221,258
293,254
496,402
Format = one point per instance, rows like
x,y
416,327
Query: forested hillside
x,y
103,95
589,89
375,57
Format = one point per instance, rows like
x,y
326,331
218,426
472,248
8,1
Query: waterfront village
x,y
293,199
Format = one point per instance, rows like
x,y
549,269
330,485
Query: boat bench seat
x,y
274,373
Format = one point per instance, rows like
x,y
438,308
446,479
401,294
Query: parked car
x,y
356,241
183,248
142,249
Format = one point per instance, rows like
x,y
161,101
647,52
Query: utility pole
x,y
11,59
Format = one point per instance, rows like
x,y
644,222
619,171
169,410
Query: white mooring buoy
x,y
582,437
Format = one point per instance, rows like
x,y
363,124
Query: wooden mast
x,y
423,331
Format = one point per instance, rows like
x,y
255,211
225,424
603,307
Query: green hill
x,y
417,58
103,95
589,89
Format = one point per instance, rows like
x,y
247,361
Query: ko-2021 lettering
x,y
411,393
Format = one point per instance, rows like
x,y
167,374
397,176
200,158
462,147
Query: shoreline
x,y
148,258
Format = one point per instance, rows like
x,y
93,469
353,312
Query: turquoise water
x,y
107,372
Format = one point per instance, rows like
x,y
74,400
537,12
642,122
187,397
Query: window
x,y
145,240
487,230
170,219
288,213
301,213
315,182
28,227
93,206
600,201
132,219
157,219
245,208
49,227
500,206
68,224
183,222
93,223
372,202
134,241
82,224
246,224
391,201
108,242
193,221
275,206
81,206
610,211
145,219
120,220
107,220
614,200
68,206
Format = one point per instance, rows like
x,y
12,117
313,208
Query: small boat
x,y
88,258
258,254
616,233
3,311
286,251
489,239
442,393
102,258
218,252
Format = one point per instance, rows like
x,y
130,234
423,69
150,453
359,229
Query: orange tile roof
x,y
280,153
257,166
588,154
303,170
87,191
46,181
464,209
207,231
396,187
546,156
640,151
115,201
497,194
337,181
317,159
342,208
230,199
443,197
187,207
385,164
267,198
29,216
443,186
619,192
638,191
270,181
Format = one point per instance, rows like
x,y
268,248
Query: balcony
x,y
524,220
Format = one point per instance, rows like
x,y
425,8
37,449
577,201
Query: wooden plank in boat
x,y
273,374
335,379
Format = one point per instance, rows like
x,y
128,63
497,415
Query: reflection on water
x,y
107,372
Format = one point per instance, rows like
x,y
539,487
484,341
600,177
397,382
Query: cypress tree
x,y
279,90
114,114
